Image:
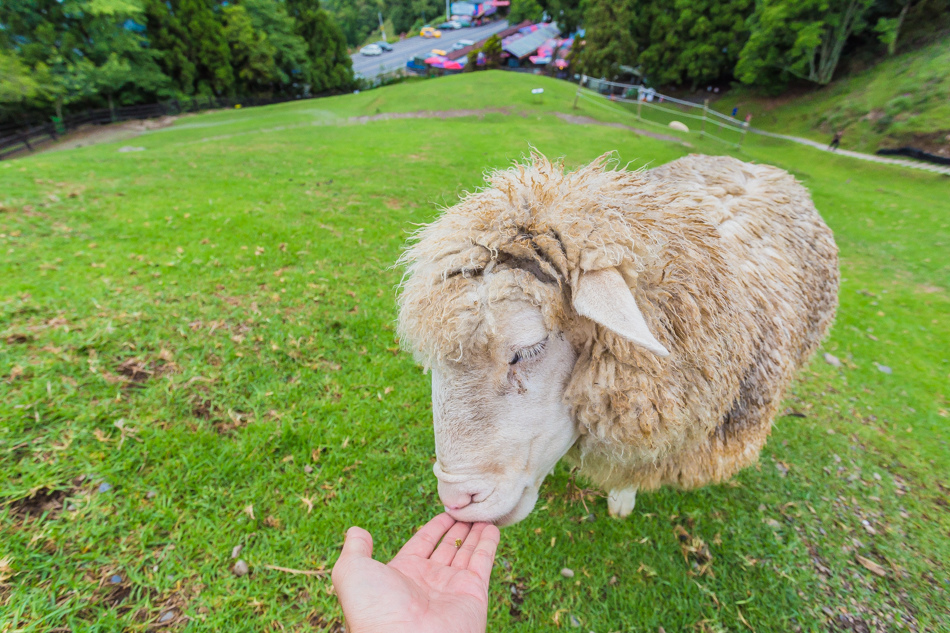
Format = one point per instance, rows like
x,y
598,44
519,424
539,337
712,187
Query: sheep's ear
x,y
603,296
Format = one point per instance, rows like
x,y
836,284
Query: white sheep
x,y
645,324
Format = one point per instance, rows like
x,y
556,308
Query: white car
x,y
453,25
459,45
371,50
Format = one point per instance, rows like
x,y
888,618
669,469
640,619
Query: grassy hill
x,y
197,353
904,100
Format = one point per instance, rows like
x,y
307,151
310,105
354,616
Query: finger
x,y
424,541
357,544
465,551
484,555
447,549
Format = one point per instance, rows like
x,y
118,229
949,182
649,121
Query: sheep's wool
x,y
733,268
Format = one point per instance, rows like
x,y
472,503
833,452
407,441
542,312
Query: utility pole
x,y
447,15
382,29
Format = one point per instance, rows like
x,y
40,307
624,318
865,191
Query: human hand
x,y
429,587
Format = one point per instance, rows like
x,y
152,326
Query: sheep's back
x,y
783,253
738,330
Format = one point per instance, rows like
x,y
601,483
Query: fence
x,y
650,106
13,140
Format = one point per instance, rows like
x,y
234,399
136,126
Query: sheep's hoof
x,y
620,502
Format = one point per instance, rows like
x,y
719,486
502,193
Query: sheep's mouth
x,y
517,511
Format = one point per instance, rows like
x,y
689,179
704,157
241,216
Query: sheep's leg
x,y
620,502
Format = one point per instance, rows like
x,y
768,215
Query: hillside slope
x,y
197,354
901,101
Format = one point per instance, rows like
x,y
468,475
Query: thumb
x,y
358,544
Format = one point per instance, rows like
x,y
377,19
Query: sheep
x,y
644,324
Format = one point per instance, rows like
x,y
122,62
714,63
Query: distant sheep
x,y
645,324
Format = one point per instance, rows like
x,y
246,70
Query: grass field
x,y
904,100
197,353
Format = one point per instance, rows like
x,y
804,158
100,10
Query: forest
x,y
58,55
66,55
768,44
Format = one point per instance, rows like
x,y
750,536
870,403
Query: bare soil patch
x,y
586,120
435,114
88,135
42,501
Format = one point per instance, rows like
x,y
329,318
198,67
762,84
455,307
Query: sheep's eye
x,y
528,353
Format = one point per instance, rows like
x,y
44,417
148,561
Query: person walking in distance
x,y
836,140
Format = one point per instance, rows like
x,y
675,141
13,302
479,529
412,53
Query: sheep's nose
x,y
454,496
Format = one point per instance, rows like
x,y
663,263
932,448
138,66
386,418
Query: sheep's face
x,y
501,423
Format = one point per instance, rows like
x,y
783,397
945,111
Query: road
x,y
369,67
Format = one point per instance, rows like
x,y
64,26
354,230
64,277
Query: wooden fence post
x,y
577,95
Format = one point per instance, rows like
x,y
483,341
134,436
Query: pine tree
x,y
169,39
330,66
208,47
252,54
271,19
609,42
695,42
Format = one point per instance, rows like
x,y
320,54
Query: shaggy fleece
x,y
734,270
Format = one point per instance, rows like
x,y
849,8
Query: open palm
x,y
430,586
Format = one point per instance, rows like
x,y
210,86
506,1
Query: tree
x,y
252,55
492,50
192,46
358,18
208,48
694,41
81,47
568,14
522,10
270,18
330,66
909,22
608,40
18,86
168,38
804,39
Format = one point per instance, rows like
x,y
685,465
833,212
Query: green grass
x,y
200,324
904,100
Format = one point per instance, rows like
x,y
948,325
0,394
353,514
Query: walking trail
x,y
937,169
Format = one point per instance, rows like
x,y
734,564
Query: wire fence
x,y
649,106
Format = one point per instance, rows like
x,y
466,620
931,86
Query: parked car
x,y
451,25
428,31
371,50
459,45
386,46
